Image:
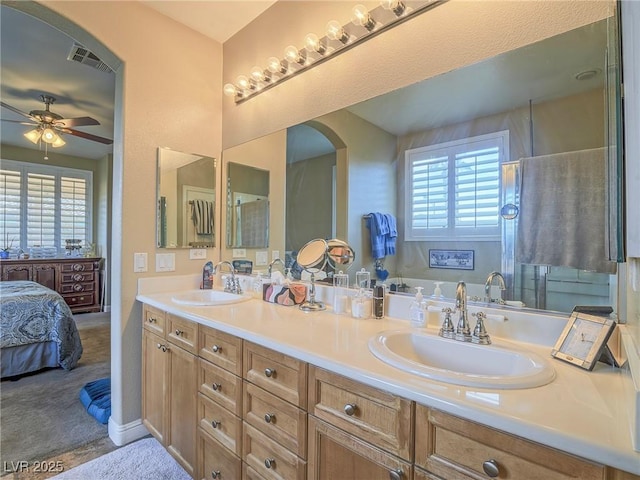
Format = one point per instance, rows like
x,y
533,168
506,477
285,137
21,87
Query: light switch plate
x,y
165,262
239,253
197,253
262,258
139,262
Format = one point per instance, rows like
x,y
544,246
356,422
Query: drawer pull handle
x,y
77,277
396,474
270,462
215,424
152,320
216,349
215,474
270,418
216,387
270,372
179,332
78,288
162,347
491,468
350,409
78,267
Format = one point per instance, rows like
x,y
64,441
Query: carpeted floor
x,y
41,415
145,459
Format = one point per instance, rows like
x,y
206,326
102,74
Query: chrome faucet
x,y
489,282
273,262
231,285
463,332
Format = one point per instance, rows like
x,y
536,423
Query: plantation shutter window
x,y
454,189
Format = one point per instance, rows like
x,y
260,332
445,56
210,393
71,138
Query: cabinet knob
x,y
77,287
215,424
77,277
77,267
162,347
491,468
350,408
215,474
216,348
152,320
270,462
179,332
216,386
396,474
269,372
270,418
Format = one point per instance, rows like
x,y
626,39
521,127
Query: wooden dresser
x,y
76,279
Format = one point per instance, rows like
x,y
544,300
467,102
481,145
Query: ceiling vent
x,y
80,54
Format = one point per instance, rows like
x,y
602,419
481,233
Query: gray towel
x,y
254,223
202,216
562,211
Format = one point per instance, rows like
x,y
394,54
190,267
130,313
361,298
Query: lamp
x,y
339,38
33,135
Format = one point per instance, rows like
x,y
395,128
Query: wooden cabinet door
x,y
335,454
16,272
45,274
155,361
183,385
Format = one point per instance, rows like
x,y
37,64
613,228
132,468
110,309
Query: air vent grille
x,y
80,54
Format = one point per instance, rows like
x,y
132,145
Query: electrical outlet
x,y
239,253
262,258
139,262
197,253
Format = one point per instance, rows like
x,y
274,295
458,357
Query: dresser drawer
x,y
380,418
220,424
153,320
87,299
277,373
221,386
216,462
451,447
221,349
183,333
269,459
77,277
279,420
70,288
80,266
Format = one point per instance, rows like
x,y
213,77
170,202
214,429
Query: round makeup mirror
x,y
340,255
313,258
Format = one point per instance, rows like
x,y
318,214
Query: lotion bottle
x,y
417,310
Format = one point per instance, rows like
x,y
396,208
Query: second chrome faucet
x,y
462,331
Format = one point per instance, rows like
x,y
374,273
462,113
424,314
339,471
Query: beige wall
x,y
168,94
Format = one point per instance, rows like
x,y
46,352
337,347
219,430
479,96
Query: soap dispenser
x,y
437,292
417,309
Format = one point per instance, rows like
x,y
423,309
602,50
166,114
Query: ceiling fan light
x,y
49,136
58,142
33,135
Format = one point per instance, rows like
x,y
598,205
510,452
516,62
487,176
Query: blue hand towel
x,y
390,238
378,230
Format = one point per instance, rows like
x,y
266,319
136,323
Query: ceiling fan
x,y
49,125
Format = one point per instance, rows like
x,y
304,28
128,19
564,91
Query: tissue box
x,y
292,294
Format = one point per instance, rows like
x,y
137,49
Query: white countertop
x,y
589,414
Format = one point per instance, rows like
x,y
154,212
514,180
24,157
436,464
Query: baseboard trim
x,y
123,434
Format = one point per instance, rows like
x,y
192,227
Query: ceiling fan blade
x,y
76,122
19,112
87,136
20,122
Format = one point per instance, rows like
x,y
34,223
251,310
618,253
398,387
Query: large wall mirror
x,y
247,206
186,200
542,105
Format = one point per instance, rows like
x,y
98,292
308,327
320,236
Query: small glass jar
x,y
363,279
340,292
362,304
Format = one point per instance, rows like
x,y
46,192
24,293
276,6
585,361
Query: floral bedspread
x,y
32,313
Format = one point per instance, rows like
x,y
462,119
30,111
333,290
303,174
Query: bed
x,y
37,329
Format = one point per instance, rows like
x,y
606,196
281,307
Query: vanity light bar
x,y
339,38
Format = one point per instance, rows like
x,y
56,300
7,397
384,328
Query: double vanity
x,y
236,388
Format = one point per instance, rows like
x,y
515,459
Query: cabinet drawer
x,y
451,447
220,423
279,420
334,454
77,277
378,417
221,349
269,459
154,320
221,386
77,288
182,332
216,462
277,373
79,266
79,299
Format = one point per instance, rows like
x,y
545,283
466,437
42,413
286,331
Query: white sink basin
x,y
501,366
208,298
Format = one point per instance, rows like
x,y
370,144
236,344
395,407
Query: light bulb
x,y
313,44
292,54
58,142
230,90
360,16
242,82
48,135
33,135
336,32
260,75
396,6
274,65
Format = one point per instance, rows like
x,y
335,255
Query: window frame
x,y
499,140
26,168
